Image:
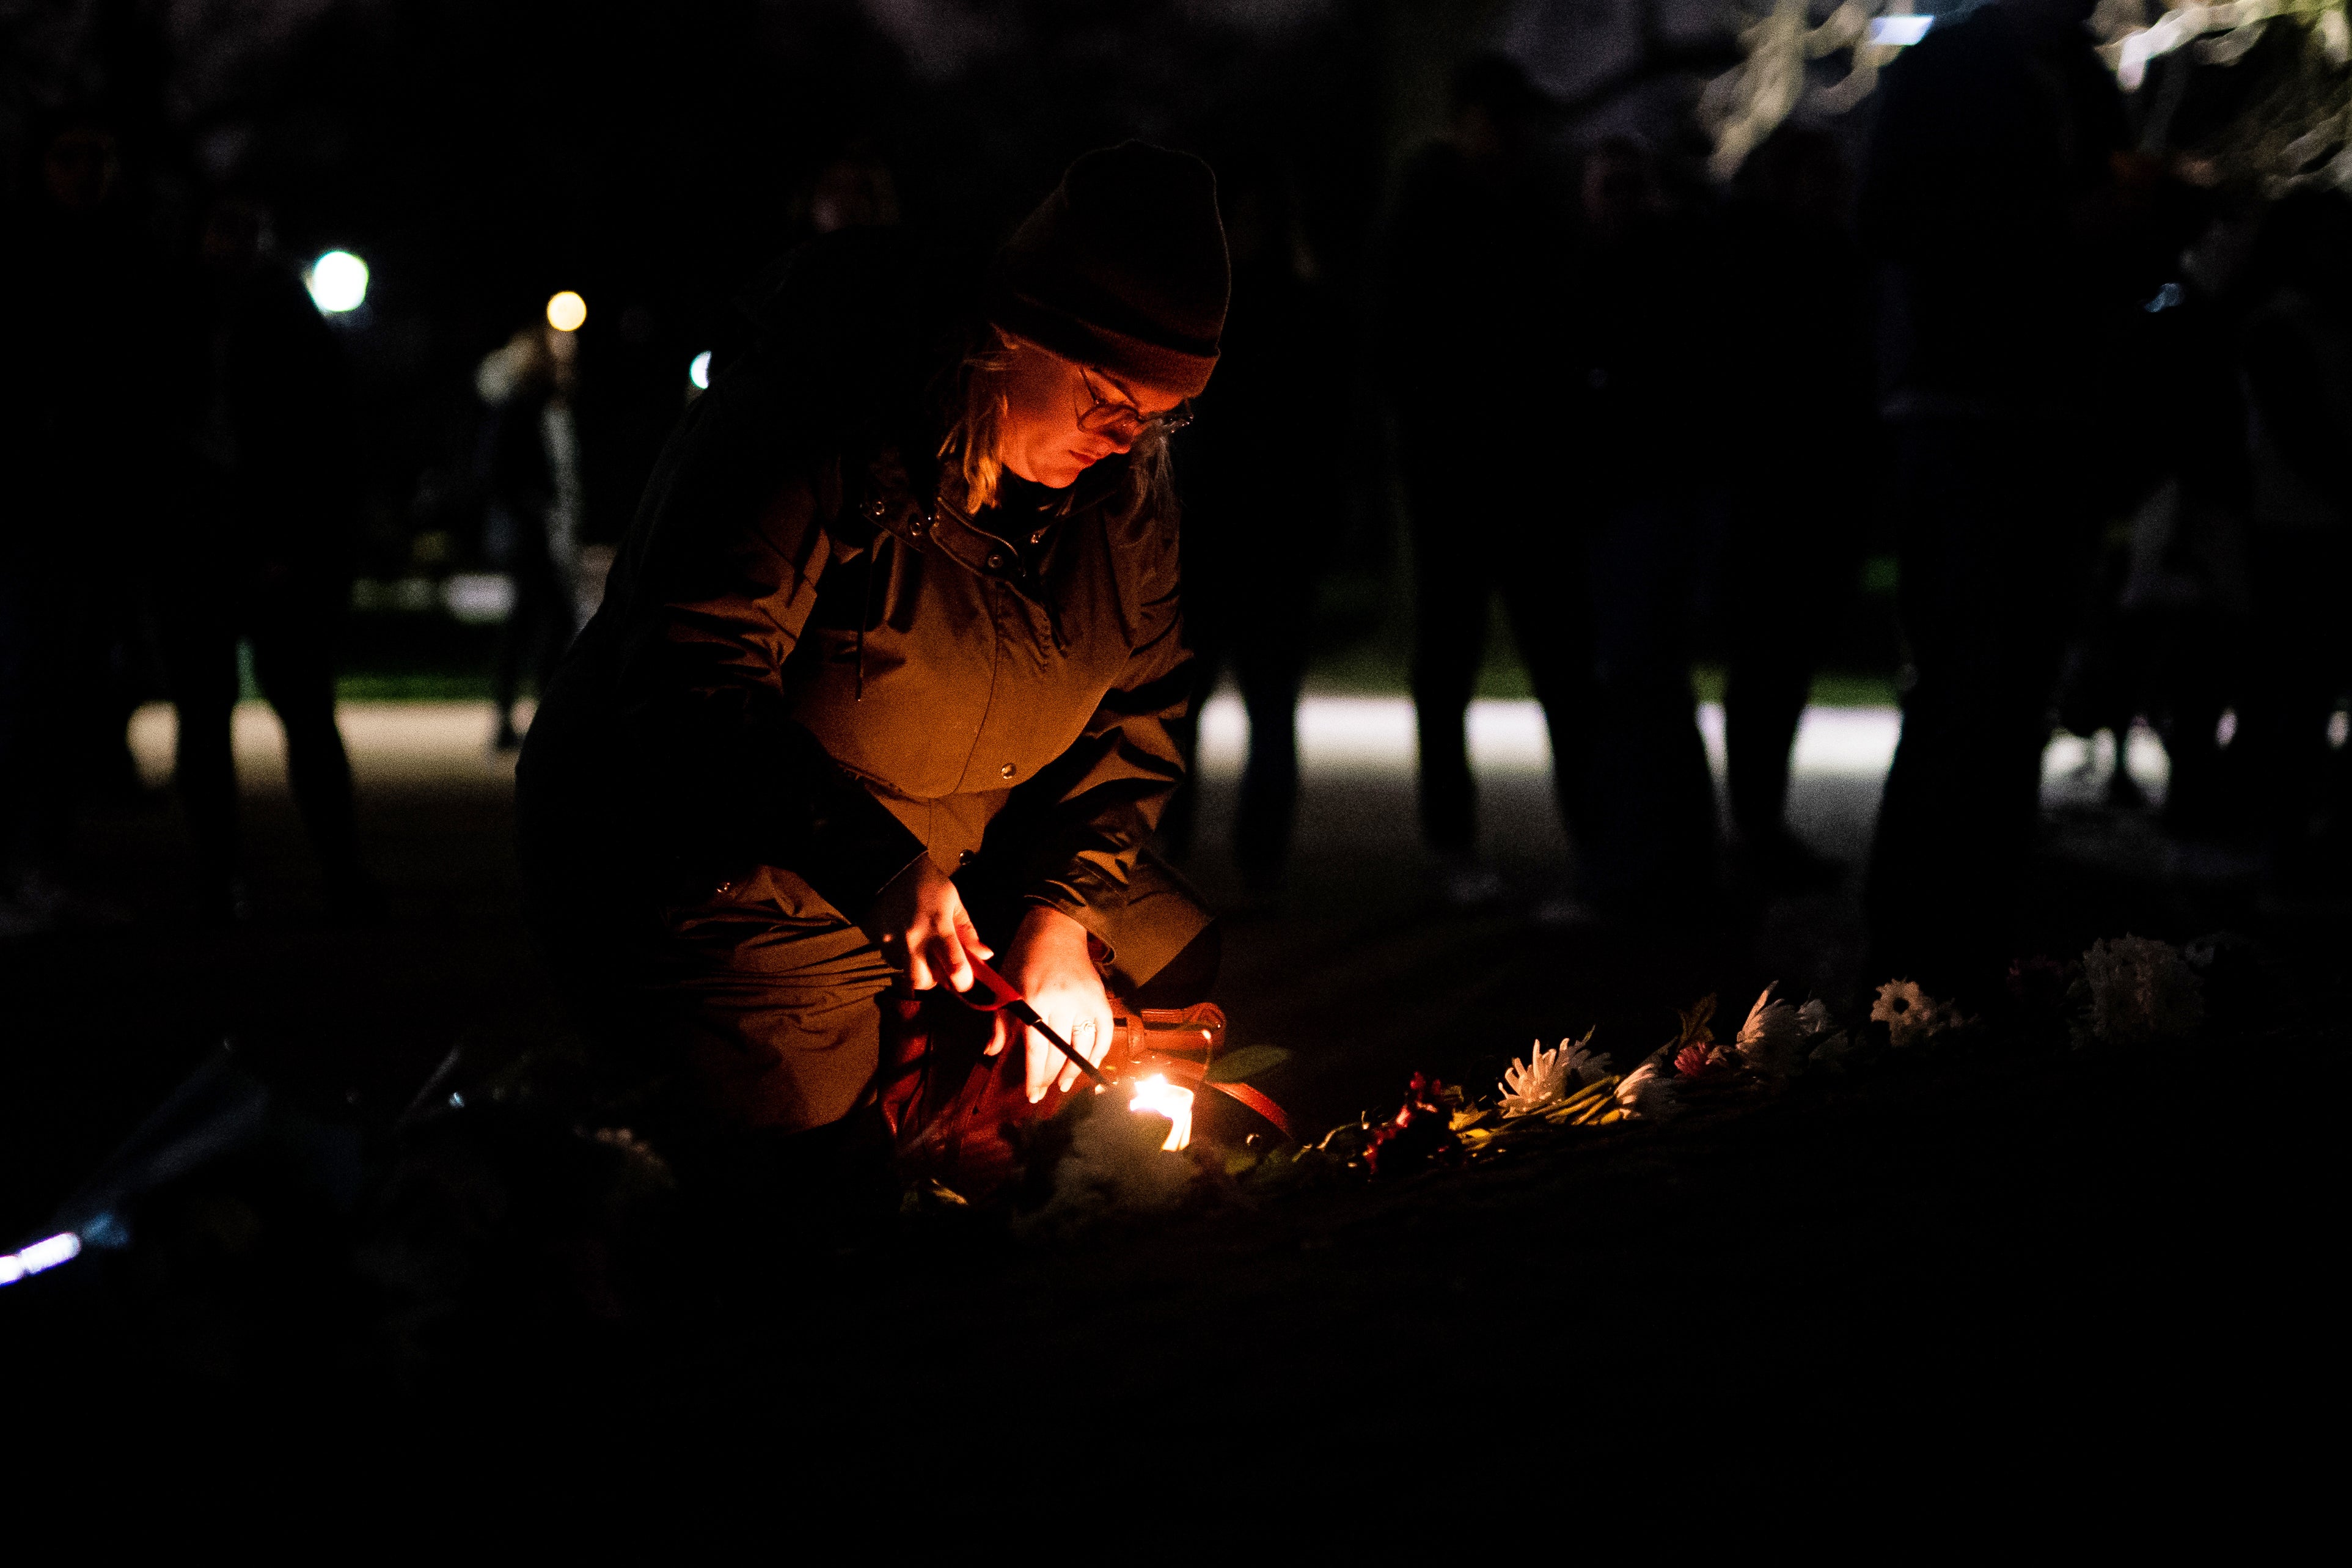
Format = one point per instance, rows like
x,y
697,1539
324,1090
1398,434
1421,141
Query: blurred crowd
x,y
2097,413
178,443
2093,412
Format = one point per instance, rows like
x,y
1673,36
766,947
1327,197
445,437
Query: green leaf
x,y
1246,1063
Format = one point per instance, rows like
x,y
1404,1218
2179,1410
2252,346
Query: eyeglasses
x,y
1119,419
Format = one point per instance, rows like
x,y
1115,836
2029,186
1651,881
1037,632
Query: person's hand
x,y
1047,963
918,921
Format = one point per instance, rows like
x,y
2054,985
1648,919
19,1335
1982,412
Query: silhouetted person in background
x,y
1644,428
85,308
261,550
854,188
531,477
1806,432
1472,356
2296,357
1255,513
2180,621
2166,630
1988,181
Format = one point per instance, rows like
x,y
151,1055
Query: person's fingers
x,y
1095,1041
944,956
955,964
919,974
967,934
1079,1032
1088,1038
1103,1033
997,1031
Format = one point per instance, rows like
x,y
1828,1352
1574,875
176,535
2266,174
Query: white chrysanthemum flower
x,y
2141,992
1814,1017
1542,1079
1546,1078
1647,1092
1910,1015
1772,1040
1536,1082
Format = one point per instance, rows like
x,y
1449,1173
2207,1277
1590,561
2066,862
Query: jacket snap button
x,y
876,508
1007,770
963,857
996,562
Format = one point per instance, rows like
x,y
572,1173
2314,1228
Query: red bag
x,y
955,1114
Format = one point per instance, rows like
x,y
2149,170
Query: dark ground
x,y
2065,1247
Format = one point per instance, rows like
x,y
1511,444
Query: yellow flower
x,y
1910,1015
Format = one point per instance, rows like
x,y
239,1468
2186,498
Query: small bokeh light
x,y
566,310
698,371
41,1255
338,282
478,598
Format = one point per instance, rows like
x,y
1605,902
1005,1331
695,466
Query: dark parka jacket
x,y
807,658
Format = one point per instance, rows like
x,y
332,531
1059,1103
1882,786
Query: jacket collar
x,y
922,516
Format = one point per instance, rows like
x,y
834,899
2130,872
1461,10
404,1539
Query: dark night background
x,y
656,158
2048,1241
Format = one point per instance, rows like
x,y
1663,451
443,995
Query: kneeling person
x,y
884,673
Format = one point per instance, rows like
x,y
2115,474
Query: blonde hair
x,y
976,408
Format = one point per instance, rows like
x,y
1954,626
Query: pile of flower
x,y
2125,992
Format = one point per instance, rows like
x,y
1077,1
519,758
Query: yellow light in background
x,y
566,310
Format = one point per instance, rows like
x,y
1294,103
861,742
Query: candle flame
x,y
1159,1097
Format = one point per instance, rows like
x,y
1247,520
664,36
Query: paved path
x,y
1337,734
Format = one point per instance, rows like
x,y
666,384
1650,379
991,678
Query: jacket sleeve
x,y
1102,799
730,580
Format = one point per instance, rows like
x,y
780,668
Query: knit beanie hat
x,y
1122,269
